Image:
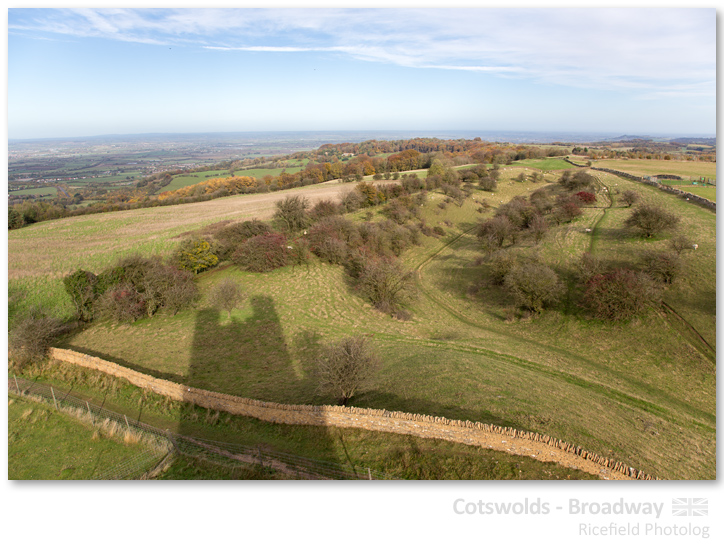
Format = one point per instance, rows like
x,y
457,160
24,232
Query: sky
x,y
86,72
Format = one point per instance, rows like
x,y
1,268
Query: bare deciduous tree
x,y
662,266
31,338
291,213
345,366
122,303
679,243
538,227
226,295
651,219
533,286
493,232
181,292
629,197
386,283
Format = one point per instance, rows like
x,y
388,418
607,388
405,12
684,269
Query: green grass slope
x,y
641,392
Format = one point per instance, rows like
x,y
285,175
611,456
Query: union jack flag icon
x,y
690,506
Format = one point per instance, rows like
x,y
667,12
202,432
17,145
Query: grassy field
x,y
190,179
641,392
650,167
39,255
120,178
549,164
184,180
258,173
36,428
707,192
48,190
46,444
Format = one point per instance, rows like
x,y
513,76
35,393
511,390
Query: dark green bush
x,y
501,263
81,287
291,214
574,182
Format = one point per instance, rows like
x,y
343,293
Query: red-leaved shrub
x,y
262,253
586,197
620,295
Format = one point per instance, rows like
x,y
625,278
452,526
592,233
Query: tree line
x,y
325,164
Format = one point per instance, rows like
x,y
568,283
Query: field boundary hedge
x,y
663,187
506,439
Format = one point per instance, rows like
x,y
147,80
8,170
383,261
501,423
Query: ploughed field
x,y
642,392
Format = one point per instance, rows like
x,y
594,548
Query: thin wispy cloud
x,y
272,49
629,70
605,48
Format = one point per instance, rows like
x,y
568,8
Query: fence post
x,y
54,401
89,411
369,473
261,461
16,384
128,426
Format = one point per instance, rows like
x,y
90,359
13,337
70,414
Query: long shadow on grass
x,y
248,355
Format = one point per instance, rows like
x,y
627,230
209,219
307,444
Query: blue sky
x,y
81,72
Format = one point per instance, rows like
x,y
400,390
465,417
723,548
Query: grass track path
x,y
685,329
600,388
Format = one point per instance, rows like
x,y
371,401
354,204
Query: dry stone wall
x,y
541,447
668,189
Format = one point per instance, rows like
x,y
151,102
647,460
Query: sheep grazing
x,y
695,246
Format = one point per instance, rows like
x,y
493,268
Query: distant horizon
x,y
432,133
94,72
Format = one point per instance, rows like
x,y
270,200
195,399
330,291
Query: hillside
x,y
642,392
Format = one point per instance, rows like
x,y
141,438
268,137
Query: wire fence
x,y
161,442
